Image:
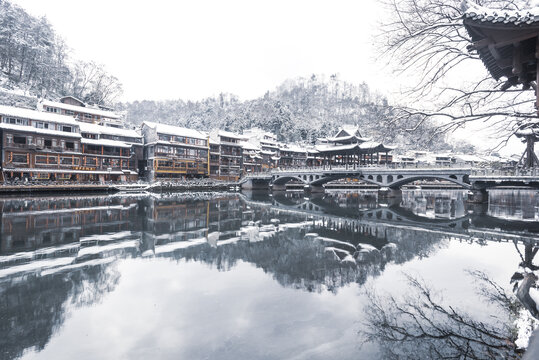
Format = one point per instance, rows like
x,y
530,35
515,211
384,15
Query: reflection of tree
x,y
31,311
303,263
420,326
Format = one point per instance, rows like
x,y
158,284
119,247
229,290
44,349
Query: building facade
x,y
173,152
39,145
230,154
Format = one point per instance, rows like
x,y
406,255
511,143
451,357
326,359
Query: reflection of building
x,y
449,204
514,204
30,224
173,152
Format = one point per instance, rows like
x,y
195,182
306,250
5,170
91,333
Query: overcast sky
x,y
166,49
193,49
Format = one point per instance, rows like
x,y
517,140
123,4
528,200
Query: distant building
x,y
230,154
173,152
349,147
252,160
268,144
292,156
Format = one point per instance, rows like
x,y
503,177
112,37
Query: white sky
x,y
193,49
166,49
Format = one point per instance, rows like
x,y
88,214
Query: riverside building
x,y
230,154
37,145
173,152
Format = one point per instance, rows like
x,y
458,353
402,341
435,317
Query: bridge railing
x,y
506,172
475,171
310,169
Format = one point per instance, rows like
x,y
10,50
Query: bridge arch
x,y
406,180
281,180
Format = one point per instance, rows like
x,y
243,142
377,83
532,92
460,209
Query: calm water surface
x,y
247,276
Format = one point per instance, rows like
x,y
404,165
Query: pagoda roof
x,y
366,147
347,138
494,33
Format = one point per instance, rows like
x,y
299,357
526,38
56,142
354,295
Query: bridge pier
x,y
478,196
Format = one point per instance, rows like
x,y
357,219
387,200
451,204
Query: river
x,y
340,275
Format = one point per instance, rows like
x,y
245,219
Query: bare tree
x,y
420,326
426,39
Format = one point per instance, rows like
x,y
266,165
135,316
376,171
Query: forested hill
x,y
298,110
34,60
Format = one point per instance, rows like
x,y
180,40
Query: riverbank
x,y
157,187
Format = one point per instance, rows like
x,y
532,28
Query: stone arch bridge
x,y
314,178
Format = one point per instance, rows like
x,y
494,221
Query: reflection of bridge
x,y
383,176
395,217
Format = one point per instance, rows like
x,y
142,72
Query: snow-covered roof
x,y
469,158
527,14
346,138
369,145
36,115
527,132
348,130
231,135
107,130
293,148
176,130
249,146
81,109
105,142
31,129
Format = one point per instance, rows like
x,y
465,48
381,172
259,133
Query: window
x,y
66,161
19,158
91,161
70,145
19,140
66,128
88,116
53,160
40,159
47,143
9,138
15,121
51,109
69,112
41,125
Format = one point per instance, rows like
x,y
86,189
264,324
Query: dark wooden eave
x,y
507,50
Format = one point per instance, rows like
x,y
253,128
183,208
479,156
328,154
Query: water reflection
x,y
447,204
514,204
58,254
